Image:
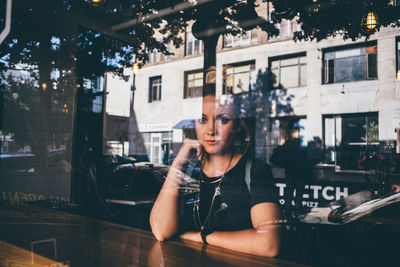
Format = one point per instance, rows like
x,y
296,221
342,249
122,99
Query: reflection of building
x,y
344,93
116,117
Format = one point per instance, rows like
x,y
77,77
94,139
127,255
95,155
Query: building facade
x,y
342,95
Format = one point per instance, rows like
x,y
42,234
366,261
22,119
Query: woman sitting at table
x,y
230,212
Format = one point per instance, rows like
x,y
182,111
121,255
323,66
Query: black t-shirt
x,y
232,204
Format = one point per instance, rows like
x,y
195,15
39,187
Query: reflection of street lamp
x,y
96,2
135,69
369,22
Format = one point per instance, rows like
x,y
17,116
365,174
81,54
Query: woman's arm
x,y
263,242
165,212
164,216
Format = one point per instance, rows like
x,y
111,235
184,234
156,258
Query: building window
x,y
398,58
239,78
155,89
351,64
249,37
285,128
286,27
193,46
193,84
289,72
350,137
156,56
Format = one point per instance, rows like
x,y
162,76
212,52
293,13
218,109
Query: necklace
x,y
196,207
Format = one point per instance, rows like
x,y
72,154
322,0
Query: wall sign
x,y
315,193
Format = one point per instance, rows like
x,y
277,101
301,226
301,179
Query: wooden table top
x,y
72,240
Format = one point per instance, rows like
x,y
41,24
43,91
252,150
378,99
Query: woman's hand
x,y
164,216
184,152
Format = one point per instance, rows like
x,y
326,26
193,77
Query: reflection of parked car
x,y
141,182
57,159
132,191
140,157
17,162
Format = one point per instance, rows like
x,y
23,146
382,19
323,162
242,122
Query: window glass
x,y
240,40
290,76
193,46
238,69
241,83
228,41
289,61
349,53
303,60
275,77
398,61
275,64
155,89
350,69
289,72
350,137
95,121
286,27
330,132
238,79
372,66
283,129
354,64
194,84
156,56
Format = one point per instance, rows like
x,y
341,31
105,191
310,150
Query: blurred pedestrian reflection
x,y
293,158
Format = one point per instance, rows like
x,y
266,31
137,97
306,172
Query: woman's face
x,y
214,129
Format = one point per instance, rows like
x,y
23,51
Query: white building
x,y
344,93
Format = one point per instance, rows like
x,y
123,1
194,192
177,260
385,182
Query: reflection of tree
x,y
278,99
372,129
280,102
256,104
23,115
19,97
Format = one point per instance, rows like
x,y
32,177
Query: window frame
x,y
155,56
284,132
291,24
251,63
240,43
397,74
201,44
339,146
158,90
186,94
328,75
299,64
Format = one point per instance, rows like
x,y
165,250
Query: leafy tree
x,y
325,18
